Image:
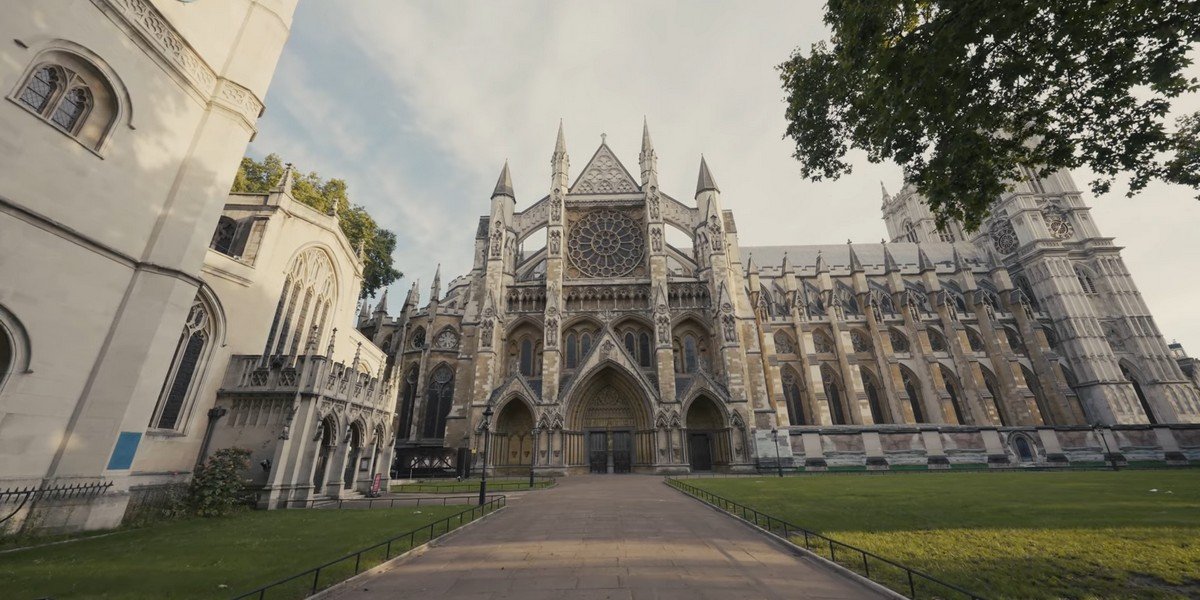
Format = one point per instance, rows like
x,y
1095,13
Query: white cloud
x,y
442,93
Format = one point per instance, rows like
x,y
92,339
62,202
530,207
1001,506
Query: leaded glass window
x,y
791,394
899,341
40,88
527,357
182,379
407,403
222,239
439,399
690,358
646,356
914,397
71,108
572,356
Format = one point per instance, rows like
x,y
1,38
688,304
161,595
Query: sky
x,y
418,104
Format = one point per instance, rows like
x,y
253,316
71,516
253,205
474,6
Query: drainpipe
x,y
214,414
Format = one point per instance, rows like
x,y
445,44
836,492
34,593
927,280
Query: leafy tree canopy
x,y
323,194
966,95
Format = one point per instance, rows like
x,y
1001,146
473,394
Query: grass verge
x,y
1083,535
207,558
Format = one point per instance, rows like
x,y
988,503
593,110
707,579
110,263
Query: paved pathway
x,y
606,537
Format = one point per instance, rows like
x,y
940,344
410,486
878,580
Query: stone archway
x,y
512,442
609,425
707,435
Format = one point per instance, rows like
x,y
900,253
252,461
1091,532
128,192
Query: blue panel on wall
x,y
122,455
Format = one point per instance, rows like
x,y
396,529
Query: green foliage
x,y
218,485
325,195
965,96
211,558
1023,536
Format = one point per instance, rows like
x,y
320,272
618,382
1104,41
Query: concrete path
x,y
606,537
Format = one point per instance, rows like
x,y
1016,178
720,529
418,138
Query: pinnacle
x,y
504,186
705,181
560,145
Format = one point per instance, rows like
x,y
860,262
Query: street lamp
x,y
778,461
487,438
1108,455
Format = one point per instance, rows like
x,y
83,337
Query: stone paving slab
x,y
615,537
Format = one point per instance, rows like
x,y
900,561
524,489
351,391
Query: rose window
x,y
1004,237
606,243
1059,226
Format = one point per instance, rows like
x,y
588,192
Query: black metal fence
x,y
34,494
389,502
503,485
887,572
306,583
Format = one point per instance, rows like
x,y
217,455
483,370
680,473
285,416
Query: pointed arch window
x,y
72,107
783,343
910,232
572,352
874,398
645,355
187,369
527,357
990,383
439,399
631,343
41,87
690,354
302,311
71,94
914,396
408,400
954,391
833,394
792,395
222,239
1085,280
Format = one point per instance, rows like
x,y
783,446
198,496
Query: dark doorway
x,y
700,451
622,451
598,451
323,452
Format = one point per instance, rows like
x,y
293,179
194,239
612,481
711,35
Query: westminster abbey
x,y
611,349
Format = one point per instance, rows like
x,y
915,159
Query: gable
x,y
604,174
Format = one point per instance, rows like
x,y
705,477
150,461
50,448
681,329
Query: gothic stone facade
x,y
610,349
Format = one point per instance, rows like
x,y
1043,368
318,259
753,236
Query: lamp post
x,y
487,439
778,461
1108,455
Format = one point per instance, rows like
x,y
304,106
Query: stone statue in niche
x,y
653,202
551,332
497,238
714,226
730,327
656,239
555,242
556,206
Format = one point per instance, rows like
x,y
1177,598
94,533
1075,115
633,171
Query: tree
x,y
969,96
323,194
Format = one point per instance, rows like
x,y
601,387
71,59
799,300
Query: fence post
x,y
316,576
912,587
357,562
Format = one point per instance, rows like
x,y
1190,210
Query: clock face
x,y
1060,227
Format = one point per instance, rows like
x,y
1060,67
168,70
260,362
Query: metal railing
x,y
25,495
889,573
389,502
473,486
289,587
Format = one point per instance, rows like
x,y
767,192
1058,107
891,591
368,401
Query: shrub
x,y
218,485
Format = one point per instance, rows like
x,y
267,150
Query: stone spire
x,y
856,265
504,186
560,163
923,262
648,159
286,180
364,310
959,263
821,266
705,181
382,306
414,296
886,195
435,290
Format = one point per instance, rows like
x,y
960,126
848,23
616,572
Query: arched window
x,y
222,239
1141,395
631,343
974,340
187,369
645,353
821,342
585,344
899,341
1085,280
304,304
833,393
572,350
70,93
793,396
527,357
690,354
408,401
1027,290
878,414
990,383
860,341
955,392
1023,448
783,343
910,232
439,399
1014,341
914,396
946,235
417,338
937,342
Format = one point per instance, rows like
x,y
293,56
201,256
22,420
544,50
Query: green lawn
x,y
208,558
1047,535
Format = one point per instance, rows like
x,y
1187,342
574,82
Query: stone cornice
x,y
142,17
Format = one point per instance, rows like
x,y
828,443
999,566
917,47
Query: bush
x,y
218,486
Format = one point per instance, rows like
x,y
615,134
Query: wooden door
x,y
700,451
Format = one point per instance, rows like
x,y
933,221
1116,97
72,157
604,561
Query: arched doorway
x,y
609,428
705,430
512,442
352,456
323,452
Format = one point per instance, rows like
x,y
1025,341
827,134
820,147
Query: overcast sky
x,y
417,105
